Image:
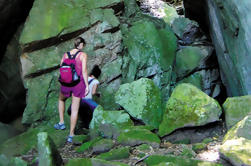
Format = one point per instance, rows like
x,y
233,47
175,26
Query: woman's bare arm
x,y
94,88
83,58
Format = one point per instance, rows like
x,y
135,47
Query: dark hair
x,y
95,71
77,41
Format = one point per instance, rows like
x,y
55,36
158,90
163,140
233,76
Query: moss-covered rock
x,y
199,146
47,151
236,108
92,162
149,53
79,162
28,140
170,14
237,143
195,79
80,138
188,106
102,146
115,154
190,58
7,132
166,164
62,17
181,25
241,129
134,137
88,145
106,163
142,100
187,151
108,123
237,151
157,159
143,147
15,161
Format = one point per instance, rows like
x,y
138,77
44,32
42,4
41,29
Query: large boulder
x,y
229,27
150,53
236,108
142,100
236,146
47,151
188,106
108,123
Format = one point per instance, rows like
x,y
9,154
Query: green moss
x,y
106,163
79,162
181,24
237,151
144,147
142,100
87,145
170,14
115,154
195,79
102,145
207,140
138,136
48,154
28,140
199,146
236,108
21,143
241,129
62,17
157,159
188,106
188,58
104,122
80,138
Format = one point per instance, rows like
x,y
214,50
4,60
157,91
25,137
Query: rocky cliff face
x,y
229,23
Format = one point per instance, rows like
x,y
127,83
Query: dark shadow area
x,y
196,10
196,134
12,15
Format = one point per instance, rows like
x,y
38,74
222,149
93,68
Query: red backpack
x,y
68,75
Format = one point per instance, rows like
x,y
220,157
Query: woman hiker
x,y
78,91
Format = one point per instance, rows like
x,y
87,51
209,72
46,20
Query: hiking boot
x,y
59,126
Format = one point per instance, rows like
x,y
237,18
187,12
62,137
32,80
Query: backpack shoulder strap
x,y
69,55
74,56
90,81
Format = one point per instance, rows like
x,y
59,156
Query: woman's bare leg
x,y
74,113
61,107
